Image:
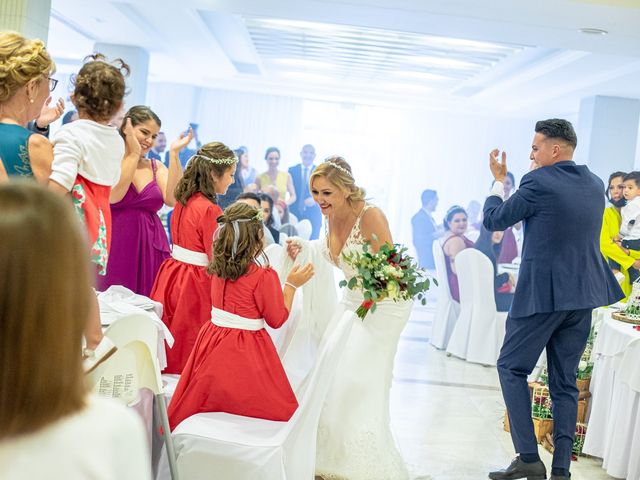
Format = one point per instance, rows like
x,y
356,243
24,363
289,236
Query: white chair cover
x,y
487,327
447,309
459,341
133,367
304,228
225,446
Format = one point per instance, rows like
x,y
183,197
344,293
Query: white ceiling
x,y
509,56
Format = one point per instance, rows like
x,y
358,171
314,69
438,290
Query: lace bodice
x,y
354,243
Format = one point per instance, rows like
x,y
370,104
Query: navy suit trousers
x,y
564,334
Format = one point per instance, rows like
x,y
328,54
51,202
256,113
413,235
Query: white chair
x,y
447,309
459,341
224,446
133,367
487,326
304,228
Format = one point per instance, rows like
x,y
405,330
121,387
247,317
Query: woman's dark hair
x,y
197,176
450,213
485,244
270,150
224,263
99,87
242,150
266,198
139,114
611,177
249,196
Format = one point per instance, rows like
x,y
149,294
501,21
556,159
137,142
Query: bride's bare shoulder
x,y
374,221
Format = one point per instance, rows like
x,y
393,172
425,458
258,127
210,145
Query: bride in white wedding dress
x,y
354,436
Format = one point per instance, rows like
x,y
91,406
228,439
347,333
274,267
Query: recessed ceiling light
x,y
593,31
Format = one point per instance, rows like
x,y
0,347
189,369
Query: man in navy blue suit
x,y
562,277
304,206
425,229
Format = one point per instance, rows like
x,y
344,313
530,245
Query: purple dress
x,y
451,275
139,242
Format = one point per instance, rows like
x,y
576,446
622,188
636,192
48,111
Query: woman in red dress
x,y
182,284
234,366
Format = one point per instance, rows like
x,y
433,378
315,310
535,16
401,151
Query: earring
x,y
31,100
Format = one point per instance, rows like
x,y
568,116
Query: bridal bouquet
x,y
389,273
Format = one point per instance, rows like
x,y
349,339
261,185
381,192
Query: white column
x,y
138,60
608,134
28,17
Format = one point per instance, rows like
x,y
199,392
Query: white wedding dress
x,y
354,436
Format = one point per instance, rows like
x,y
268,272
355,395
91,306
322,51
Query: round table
x,y
613,432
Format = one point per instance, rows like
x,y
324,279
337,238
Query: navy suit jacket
x,y
424,233
302,191
562,268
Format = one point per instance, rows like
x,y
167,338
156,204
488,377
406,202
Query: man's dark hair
x,y
635,176
558,128
427,196
249,196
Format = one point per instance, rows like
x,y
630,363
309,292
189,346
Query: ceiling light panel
x,y
356,54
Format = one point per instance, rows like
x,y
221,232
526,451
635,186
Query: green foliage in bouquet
x,y
389,273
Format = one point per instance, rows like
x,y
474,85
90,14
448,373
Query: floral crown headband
x,y
216,161
339,167
235,224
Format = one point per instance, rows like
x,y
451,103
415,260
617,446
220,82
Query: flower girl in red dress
x,y
234,366
182,284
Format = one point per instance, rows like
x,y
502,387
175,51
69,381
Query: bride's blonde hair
x,y
337,171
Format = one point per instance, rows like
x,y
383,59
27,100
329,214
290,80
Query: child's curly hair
x,y
99,87
248,244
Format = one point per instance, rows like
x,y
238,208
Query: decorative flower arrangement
x,y
541,402
578,441
389,273
584,370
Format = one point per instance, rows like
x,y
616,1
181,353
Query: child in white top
x,y
629,238
87,156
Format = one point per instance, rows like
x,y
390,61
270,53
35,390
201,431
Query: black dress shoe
x,y
520,469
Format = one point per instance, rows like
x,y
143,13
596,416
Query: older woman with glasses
x,y
25,85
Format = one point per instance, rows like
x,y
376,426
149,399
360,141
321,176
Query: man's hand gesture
x,y
498,169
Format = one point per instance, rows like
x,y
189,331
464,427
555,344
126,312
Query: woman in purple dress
x,y
455,226
139,242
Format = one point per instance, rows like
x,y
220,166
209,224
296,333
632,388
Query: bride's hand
x,y
293,249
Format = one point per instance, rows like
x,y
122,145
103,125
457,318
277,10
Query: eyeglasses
x,y
52,84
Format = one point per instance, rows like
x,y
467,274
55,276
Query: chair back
x,y
447,309
134,327
304,228
487,325
301,431
459,341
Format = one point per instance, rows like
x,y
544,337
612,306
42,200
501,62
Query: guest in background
x,y
304,206
619,260
70,116
139,244
159,147
87,155
253,199
509,249
425,230
234,366
182,285
187,153
266,204
281,180
473,211
25,87
247,172
235,189
454,241
629,237
51,426
490,243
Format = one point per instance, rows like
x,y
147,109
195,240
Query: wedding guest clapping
x,y
51,426
281,180
234,366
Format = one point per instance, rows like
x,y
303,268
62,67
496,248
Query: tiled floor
x,y
447,414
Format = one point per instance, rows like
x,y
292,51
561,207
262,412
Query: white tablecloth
x,y
613,433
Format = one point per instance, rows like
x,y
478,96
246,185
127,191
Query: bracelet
x,y
41,130
291,285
